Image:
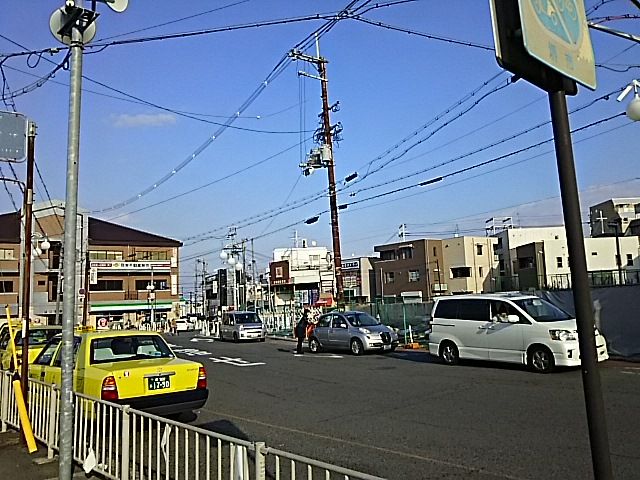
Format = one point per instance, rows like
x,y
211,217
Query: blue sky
x,y
397,92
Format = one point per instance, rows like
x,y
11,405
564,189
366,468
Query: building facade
x,y
122,274
616,216
410,270
359,281
301,275
470,264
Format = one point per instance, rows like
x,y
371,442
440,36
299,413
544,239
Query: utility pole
x,y
204,274
85,301
254,284
320,64
26,261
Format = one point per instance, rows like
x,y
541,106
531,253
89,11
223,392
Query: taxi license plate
x,y
159,383
387,347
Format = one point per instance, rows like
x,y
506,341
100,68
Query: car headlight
x,y
563,335
240,327
596,331
366,331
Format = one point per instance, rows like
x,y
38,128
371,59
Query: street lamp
x,y
42,244
633,109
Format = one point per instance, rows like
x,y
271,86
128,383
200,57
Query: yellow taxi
x,y
39,335
129,367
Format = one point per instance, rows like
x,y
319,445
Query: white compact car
x,y
513,328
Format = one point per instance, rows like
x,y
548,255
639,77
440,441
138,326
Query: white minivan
x,y
515,328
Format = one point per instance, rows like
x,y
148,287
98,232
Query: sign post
x,y
546,42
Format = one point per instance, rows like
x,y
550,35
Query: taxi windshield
x,y
37,336
124,348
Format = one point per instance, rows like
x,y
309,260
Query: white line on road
x,y
236,362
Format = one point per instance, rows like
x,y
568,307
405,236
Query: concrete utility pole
x,y
320,64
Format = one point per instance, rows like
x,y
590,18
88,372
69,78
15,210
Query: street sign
x,y
513,56
556,33
13,136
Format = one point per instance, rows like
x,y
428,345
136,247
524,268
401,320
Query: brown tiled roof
x,y
106,233
10,227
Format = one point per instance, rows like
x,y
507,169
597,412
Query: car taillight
x,y
202,378
109,389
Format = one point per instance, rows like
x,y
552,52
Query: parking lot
x,y
405,415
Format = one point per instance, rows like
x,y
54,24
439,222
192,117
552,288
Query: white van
x,y
513,328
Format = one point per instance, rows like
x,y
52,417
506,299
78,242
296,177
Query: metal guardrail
x,y
121,443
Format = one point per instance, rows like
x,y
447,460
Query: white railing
x,y
121,443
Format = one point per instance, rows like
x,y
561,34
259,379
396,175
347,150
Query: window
x,y
414,275
388,255
467,309
389,277
314,259
107,286
105,255
594,254
6,254
151,255
435,252
460,272
279,272
559,262
446,309
42,283
406,253
479,249
629,260
158,284
525,262
480,271
6,286
118,349
499,307
477,310
324,321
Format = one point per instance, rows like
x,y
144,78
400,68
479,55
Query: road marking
x,y
192,352
236,362
366,445
630,373
200,339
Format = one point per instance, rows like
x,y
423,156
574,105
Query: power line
x,y
275,72
218,180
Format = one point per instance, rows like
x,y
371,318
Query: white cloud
x,y
144,120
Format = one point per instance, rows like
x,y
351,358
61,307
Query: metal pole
x,y
618,254
26,263
59,285
333,202
70,225
85,301
596,420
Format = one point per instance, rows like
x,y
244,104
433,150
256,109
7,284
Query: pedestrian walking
x,y
174,326
301,330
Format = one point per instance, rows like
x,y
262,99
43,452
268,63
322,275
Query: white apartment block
x,y
622,214
510,239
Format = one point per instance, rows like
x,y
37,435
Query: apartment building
x,y
122,274
470,264
621,215
410,269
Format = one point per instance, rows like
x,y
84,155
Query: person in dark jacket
x,y
301,330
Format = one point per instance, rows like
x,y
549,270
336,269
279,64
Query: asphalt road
x,y
406,416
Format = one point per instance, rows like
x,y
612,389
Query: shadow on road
x,y
225,427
